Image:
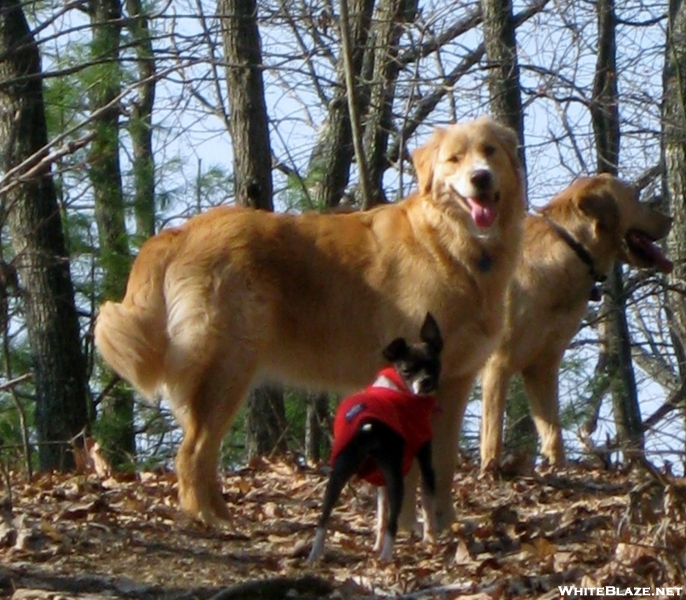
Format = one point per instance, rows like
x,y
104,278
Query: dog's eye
x,y
456,157
407,372
489,150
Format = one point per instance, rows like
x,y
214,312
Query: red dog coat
x,y
406,413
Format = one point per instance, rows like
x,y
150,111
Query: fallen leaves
x,y
513,539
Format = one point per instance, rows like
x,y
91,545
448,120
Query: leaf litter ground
x,y
83,537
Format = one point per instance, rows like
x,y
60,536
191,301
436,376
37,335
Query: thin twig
x,y
353,106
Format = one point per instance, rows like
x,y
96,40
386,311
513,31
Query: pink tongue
x,y
653,252
483,214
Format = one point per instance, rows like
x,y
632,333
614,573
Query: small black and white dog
x,y
380,430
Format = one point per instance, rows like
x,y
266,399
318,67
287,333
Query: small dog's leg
x,y
428,492
346,465
389,462
317,545
381,517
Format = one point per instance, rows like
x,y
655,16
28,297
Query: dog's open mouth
x,y
483,209
642,246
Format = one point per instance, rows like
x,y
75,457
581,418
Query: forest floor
x,y
83,537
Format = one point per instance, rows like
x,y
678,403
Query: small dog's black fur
x,y
419,367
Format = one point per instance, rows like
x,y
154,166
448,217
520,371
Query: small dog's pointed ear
x,y
431,333
396,349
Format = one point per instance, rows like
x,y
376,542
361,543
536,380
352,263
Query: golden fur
x,y
550,293
235,296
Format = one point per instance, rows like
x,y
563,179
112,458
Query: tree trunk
x,y
389,22
41,258
116,421
317,440
252,158
252,163
605,119
333,154
503,66
140,123
674,179
265,422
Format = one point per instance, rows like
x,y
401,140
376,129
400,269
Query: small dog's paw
x,y
317,547
387,551
430,526
429,535
314,557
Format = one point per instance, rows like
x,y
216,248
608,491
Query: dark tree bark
x,y
249,126
41,256
390,19
265,422
105,175
332,156
503,66
605,101
317,438
674,179
140,123
252,180
617,340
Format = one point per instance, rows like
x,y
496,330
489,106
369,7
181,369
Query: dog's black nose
x,y
481,179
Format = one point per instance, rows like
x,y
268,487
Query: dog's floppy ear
x,y
510,142
424,158
601,206
395,350
431,333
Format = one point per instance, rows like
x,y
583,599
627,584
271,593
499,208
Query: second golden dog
x,y
568,248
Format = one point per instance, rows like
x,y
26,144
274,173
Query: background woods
x,y
120,118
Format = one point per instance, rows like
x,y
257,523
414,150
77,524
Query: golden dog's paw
x,y
489,469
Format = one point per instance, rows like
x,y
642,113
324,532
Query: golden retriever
x,y
567,249
236,296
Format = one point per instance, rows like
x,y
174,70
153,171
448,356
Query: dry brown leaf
x,y
462,555
82,510
544,548
629,554
563,561
272,510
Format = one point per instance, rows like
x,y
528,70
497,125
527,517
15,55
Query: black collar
x,y
583,254
484,263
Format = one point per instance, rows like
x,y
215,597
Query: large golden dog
x,y
568,248
235,296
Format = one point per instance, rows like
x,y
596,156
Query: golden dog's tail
x,y
132,335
